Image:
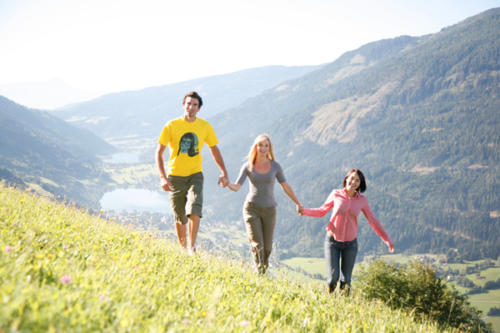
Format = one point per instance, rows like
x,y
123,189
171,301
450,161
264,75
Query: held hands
x,y
223,181
300,209
233,187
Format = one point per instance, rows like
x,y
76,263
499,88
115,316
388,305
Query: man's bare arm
x,y
165,184
223,179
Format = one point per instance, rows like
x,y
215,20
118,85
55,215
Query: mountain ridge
x,y
118,114
44,152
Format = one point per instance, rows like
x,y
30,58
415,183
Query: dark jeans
x,y
335,252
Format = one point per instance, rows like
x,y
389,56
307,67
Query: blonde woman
x,y
259,210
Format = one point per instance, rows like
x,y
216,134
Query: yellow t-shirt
x,y
185,140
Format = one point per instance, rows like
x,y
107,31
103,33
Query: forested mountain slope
x,y
419,116
47,154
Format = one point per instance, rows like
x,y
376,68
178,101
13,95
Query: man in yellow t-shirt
x,y
185,137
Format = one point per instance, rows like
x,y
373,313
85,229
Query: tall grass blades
x,y
63,270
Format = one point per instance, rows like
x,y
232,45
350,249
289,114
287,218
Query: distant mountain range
x,y
143,113
49,155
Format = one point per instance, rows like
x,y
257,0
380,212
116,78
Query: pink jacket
x,y
344,221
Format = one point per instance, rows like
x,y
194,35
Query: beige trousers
x,y
260,222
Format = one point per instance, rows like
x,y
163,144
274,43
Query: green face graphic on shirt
x,y
189,145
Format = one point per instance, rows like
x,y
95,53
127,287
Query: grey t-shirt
x,y
261,190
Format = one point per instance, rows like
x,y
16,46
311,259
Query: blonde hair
x,y
252,155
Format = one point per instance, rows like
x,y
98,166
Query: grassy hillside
x,y
64,270
481,272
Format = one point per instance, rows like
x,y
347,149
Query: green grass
x,y
310,265
62,270
483,301
495,322
236,235
489,274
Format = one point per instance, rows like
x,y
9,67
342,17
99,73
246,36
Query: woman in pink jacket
x,y
341,245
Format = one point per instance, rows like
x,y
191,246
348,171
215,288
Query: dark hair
x,y
193,94
362,182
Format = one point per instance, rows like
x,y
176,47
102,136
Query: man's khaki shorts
x,y
186,197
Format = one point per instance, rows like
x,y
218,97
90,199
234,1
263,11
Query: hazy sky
x,y
113,45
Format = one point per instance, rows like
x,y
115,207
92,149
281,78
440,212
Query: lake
x,y
138,200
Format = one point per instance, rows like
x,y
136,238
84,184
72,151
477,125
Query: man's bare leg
x,y
193,226
181,234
